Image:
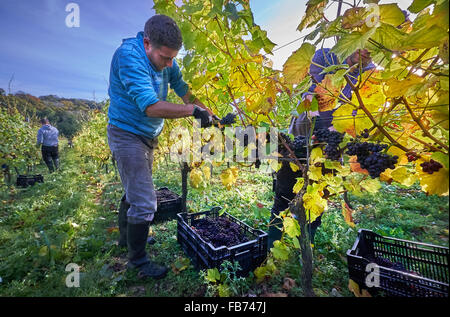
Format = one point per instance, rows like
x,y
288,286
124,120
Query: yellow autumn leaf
x,y
313,201
371,185
291,227
354,287
274,164
355,166
327,93
315,173
294,167
334,183
347,213
403,176
436,183
348,119
395,151
317,156
206,172
298,185
386,176
229,177
352,184
398,88
343,170
196,178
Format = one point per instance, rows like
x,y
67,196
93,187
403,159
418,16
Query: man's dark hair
x,y
44,121
162,30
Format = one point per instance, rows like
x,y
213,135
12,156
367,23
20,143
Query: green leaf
x,y
313,13
333,68
391,14
280,250
224,290
296,243
213,275
349,43
189,36
231,11
297,65
389,36
419,5
425,38
291,227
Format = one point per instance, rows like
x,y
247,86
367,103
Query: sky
x,y
41,55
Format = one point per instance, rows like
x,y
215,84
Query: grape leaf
x,y
196,178
229,177
313,13
436,183
296,67
418,5
403,176
291,227
347,213
349,43
280,251
391,14
298,185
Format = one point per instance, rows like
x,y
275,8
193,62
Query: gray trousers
x,y
134,161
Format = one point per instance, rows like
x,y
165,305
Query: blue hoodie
x,y
47,135
135,84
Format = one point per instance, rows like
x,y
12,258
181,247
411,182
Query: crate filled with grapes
x,y
169,205
386,266
211,237
29,180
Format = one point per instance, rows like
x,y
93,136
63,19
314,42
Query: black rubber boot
x,y
137,257
313,228
274,231
276,223
123,222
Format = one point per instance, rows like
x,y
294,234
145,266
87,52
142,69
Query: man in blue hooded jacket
x,y
48,136
142,68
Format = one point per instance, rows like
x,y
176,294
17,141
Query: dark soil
x,y
220,231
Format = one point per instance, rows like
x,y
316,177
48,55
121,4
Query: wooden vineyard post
x,y
184,176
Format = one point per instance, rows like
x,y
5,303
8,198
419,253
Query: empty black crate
x,y
204,255
29,180
168,209
424,267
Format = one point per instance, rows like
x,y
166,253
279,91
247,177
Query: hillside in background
x,y
66,114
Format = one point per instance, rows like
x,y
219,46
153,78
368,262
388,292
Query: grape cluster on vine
x,y
412,156
431,166
365,134
332,139
281,147
230,118
369,156
299,144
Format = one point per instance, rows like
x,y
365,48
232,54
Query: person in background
x,y
301,125
142,69
323,58
47,137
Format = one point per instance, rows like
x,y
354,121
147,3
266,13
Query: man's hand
x,y
204,116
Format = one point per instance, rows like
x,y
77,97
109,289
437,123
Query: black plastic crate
x,y
29,180
168,209
424,267
204,255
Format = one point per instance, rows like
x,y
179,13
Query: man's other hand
x,y
203,115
